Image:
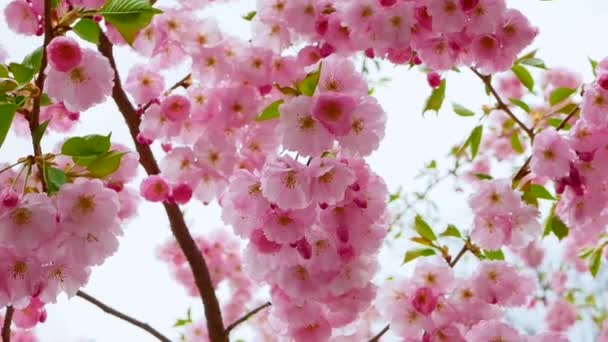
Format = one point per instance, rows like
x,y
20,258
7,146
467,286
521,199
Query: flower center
x,y
85,204
21,216
306,123
290,180
327,178
19,269
77,75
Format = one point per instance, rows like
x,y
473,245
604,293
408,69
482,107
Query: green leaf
x,y
7,113
432,165
474,140
524,76
452,231
435,101
462,111
33,60
45,100
3,70
21,73
39,132
184,321
424,229
411,255
88,30
55,178
594,65
538,191
560,94
494,255
521,104
516,143
483,176
535,62
595,262
128,16
270,112
309,84
555,122
249,16
90,145
394,196
106,164
559,228
7,85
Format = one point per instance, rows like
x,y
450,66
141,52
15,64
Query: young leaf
x,y
55,178
33,60
270,112
521,104
7,113
452,231
538,191
560,94
106,164
516,143
524,76
309,84
494,255
88,30
424,229
128,16
435,101
462,111
21,73
411,255
483,176
595,262
594,65
535,62
474,140
39,132
90,145
559,228
7,85
249,16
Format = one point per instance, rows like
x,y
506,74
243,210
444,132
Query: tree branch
x,y
247,316
184,82
179,229
6,327
122,316
501,104
382,332
34,119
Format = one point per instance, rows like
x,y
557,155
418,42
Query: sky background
x,y
135,282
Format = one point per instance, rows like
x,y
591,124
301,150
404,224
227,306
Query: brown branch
x,y
109,310
184,82
34,119
247,316
179,229
6,328
501,104
382,332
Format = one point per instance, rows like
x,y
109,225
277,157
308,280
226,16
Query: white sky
x,y
136,283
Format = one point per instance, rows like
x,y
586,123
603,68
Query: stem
x,y
196,261
35,115
247,316
185,82
6,328
501,104
122,316
452,264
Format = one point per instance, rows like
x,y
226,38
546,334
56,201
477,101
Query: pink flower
x,y
300,130
144,84
67,274
483,16
21,18
338,74
497,282
154,189
367,128
595,107
243,205
424,300
561,315
64,53
84,86
22,278
29,224
492,331
552,155
433,79
176,108
447,15
334,111
329,180
515,32
61,119
287,226
494,197
33,314
285,182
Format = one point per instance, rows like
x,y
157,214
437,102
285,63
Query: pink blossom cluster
x,y
434,305
222,254
314,232
501,217
441,33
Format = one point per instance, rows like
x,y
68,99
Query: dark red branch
x,y
109,310
246,317
193,255
6,327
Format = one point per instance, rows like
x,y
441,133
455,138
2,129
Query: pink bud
x,y
346,253
361,203
304,248
388,3
176,108
327,49
154,189
399,56
167,147
64,53
182,193
323,206
468,5
416,60
265,89
10,198
321,25
342,233
142,140
602,81
369,53
74,116
433,79
116,186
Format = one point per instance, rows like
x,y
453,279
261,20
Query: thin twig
x,y
109,310
196,261
501,104
382,332
185,82
8,320
247,316
34,119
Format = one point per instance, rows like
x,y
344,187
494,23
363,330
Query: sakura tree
x,y
277,130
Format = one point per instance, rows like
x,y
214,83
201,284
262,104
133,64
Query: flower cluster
x,y
501,217
222,254
313,233
440,33
433,305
